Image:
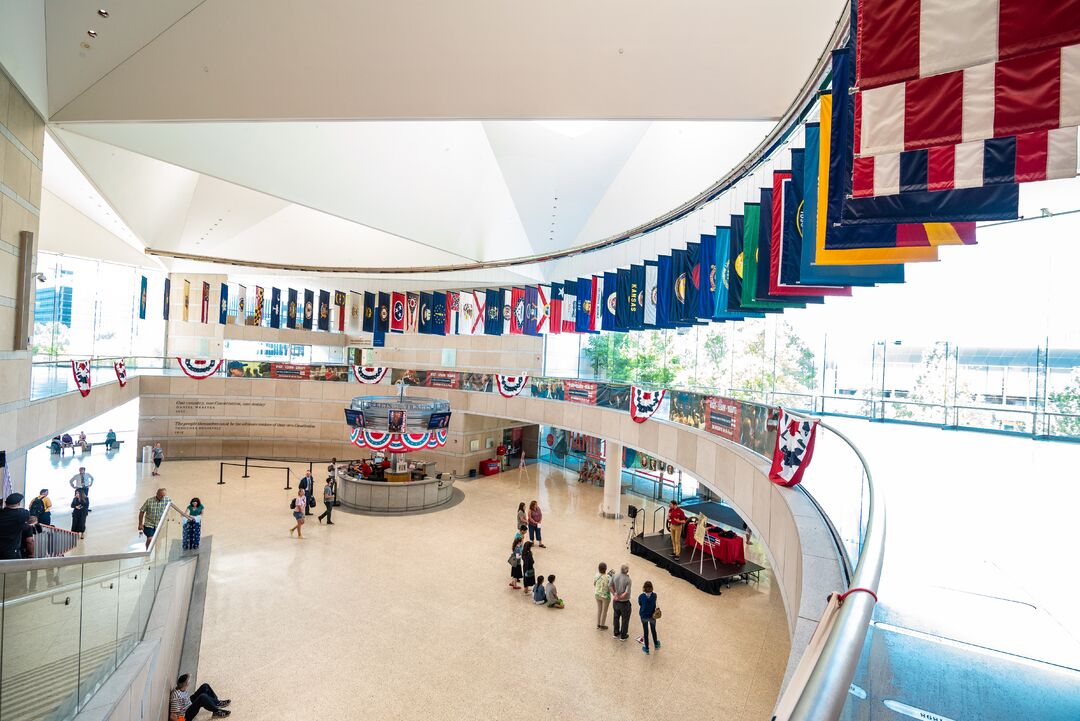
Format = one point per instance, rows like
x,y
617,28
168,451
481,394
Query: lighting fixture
x,y
92,33
103,13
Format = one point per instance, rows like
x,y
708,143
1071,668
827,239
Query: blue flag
x,y
368,322
142,298
680,275
764,256
622,299
165,307
438,313
425,313
493,312
309,309
223,305
607,299
291,310
665,292
637,297
532,301
275,308
324,310
382,313
693,285
584,305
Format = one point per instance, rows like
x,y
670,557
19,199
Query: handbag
x,y
512,560
292,504
656,614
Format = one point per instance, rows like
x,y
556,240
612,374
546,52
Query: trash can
x,y
146,450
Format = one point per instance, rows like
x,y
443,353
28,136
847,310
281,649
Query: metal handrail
x,y
826,690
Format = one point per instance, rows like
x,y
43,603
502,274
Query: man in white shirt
x,y
82,481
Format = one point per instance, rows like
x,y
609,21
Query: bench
x,y
89,447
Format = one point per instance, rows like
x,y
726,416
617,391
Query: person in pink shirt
x,y
535,517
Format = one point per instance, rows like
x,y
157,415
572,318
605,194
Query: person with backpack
x,y
307,485
515,564
41,507
298,505
528,566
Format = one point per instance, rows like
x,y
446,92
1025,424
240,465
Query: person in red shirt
x,y
677,521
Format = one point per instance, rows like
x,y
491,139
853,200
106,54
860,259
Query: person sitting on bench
x,y
83,443
66,442
110,440
54,445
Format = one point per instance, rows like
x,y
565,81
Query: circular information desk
x,y
390,497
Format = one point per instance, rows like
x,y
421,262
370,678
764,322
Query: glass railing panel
x,y
895,409
130,623
98,633
1063,425
837,482
847,406
998,418
39,668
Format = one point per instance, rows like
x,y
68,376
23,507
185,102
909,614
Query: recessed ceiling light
x,y
92,33
84,45
103,13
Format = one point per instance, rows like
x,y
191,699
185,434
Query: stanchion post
x,y
287,474
245,466
221,474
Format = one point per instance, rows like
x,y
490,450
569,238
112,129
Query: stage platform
x,y
656,547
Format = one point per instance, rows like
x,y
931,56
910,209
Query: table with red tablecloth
x,y
725,550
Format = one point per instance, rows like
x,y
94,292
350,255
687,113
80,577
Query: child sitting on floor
x,y
553,600
539,595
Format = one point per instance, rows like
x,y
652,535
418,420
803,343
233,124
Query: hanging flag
x,y
356,310
120,368
528,323
275,308
241,305
507,296
624,298
569,306
809,271
517,312
369,375
397,312
339,303
555,306
510,386
142,298
198,368
493,324
438,313
794,448
309,309
585,301
260,301
651,290
453,307
786,227
763,251
412,312
643,403
382,313
637,297
292,312
681,313
80,370
693,285
187,300
477,323
747,261
543,309
369,312
607,300
665,292
167,299
468,313
425,313
324,310
204,306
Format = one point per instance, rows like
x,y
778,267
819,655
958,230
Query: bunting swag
x,y
644,403
81,371
121,372
794,448
510,386
198,368
398,442
369,375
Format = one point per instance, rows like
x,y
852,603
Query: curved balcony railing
x,y
68,623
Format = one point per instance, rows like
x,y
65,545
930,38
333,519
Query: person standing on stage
x,y
602,591
620,595
677,521
82,481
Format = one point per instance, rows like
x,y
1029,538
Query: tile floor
x,y
411,617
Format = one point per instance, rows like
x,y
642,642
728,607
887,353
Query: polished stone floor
x,y
411,617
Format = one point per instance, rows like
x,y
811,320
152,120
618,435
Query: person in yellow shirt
x,y
41,507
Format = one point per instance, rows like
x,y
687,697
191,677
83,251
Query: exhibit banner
x,y
553,388
722,418
291,371
583,392
687,408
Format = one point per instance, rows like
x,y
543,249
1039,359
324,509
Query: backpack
x,y
37,508
292,504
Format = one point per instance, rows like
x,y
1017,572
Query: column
x,y
613,479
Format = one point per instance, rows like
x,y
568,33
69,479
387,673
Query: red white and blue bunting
x,y
510,386
121,372
644,403
795,436
199,367
398,442
369,374
81,371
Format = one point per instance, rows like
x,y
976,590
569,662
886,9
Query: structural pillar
x,y
612,480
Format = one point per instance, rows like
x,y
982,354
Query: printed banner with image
x,y
723,416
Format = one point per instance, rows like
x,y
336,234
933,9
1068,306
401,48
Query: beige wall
x,y
509,354
22,138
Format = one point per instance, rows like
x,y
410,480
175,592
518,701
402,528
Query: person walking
x,y
328,501
648,612
522,516
602,591
307,485
79,508
13,519
620,595
677,521
535,517
193,525
82,481
528,567
157,456
151,513
515,564
298,505
41,507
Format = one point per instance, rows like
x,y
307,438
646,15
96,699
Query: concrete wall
x,y
509,354
139,689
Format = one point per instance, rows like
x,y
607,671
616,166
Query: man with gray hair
x,y
620,597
